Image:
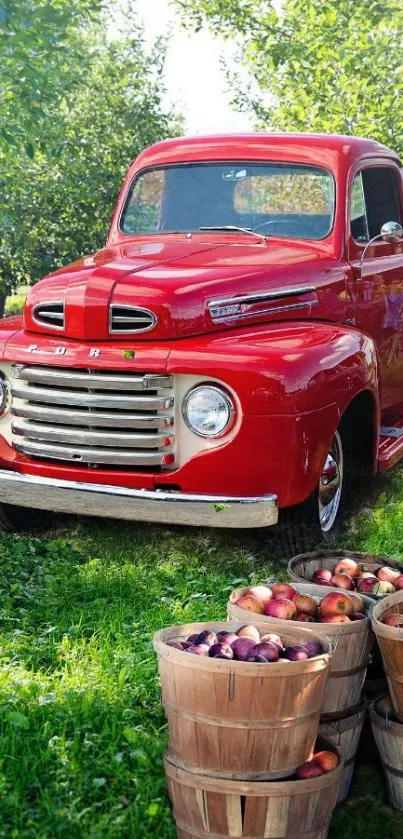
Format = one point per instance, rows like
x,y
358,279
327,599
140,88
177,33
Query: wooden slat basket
x,y
352,647
301,568
345,733
388,733
390,640
215,808
236,719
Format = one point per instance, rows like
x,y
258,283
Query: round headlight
x,y
208,410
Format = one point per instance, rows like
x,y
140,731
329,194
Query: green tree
x,y
319,65
56,203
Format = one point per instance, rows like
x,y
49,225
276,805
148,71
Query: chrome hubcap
x,y
331,484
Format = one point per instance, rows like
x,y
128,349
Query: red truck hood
x,y
178,280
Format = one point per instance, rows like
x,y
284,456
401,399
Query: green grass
x,y
82,732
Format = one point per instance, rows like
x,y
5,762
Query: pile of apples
x,y
282,601
356,576
320,763
246,645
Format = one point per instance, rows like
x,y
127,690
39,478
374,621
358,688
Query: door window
x,y
374,200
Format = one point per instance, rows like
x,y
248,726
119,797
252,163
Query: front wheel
x,y
303,527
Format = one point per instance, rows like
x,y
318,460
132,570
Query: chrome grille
x,y
49,314
93,417
130,319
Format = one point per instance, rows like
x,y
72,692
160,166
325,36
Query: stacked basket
x,y
344,706
237,732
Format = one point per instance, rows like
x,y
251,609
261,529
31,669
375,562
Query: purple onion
x,y
313,648
222,650
225,637
269,651
297,653
258,658
197,649
206,637
192,638
242,647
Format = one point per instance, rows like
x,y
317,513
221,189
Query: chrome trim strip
x,y
96,456
53,314
92,400
137,504
85,418
132,310
270,311
264,295
89,437
96,381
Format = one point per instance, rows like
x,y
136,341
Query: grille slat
x,y
101,419
66,415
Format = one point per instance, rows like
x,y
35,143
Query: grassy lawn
x,y
82,731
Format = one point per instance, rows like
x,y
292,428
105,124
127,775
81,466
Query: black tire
x,y
299,529
23,519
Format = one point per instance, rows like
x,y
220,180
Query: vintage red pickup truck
x,y
233,357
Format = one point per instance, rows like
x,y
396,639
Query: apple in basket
x,y
282,609
262,593
320,763
388,575
322,577
342,581
251,604
368,583
393,619
283,591
398,584
347,566
305,603
249,631
336,619
336,603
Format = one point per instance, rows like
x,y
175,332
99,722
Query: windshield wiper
x,y
234,228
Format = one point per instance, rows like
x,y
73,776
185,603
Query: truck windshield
x,y
292,200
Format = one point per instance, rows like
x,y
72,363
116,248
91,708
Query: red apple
x,y
249,631
388,575
322,576
283,590
358,603
342,581
336,603
335,619
251,604
283,609
305,603
366,584
393,619
399,583
263,593
304,618
327,760
347,566
310,769
357,616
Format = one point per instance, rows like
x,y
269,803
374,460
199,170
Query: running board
x,y
390,449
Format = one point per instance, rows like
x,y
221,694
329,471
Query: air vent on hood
x,y
130,319
50,314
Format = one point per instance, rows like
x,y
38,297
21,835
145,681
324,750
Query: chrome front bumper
x,y
136,504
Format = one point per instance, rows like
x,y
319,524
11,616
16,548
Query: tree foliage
x,y
320,65
57,197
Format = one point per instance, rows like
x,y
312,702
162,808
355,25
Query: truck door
x,y
375,198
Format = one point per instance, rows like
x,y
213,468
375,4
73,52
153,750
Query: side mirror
x,y
391,231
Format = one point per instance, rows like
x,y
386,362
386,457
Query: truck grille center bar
x,y
93,417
